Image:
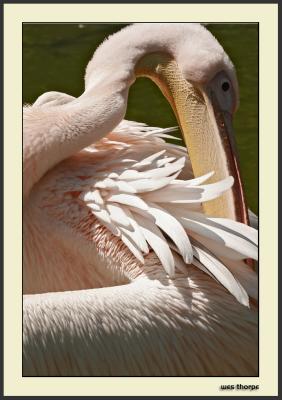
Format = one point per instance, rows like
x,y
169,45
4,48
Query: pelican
x,y
138,256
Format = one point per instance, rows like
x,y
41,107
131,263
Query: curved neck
x,y
52,134
126,47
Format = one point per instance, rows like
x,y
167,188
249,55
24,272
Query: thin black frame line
x,y
279,250
22,202
130,22
149,376
254,2
140,22
258,132
2,203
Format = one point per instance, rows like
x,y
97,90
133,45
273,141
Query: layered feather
x,y
143,191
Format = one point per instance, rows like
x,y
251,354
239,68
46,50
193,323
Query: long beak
x,y
228,156
207,133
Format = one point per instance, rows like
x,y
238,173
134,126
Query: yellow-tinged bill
x,y
207,131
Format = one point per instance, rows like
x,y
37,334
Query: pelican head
x,y
199,80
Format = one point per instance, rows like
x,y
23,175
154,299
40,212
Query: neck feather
x,y
52,134
190,45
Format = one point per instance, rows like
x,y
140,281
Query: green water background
x,y
55,57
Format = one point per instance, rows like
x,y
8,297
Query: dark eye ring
x,y
225,86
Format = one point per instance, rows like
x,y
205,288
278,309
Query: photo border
x,y
27,385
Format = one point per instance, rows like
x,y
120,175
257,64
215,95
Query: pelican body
x,y
137,253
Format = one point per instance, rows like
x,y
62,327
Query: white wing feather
x,y
243,247
117,215
135,233
129,200
170,225
222,274
135,190
158,243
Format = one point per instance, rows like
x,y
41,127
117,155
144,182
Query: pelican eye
x,y
225,86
